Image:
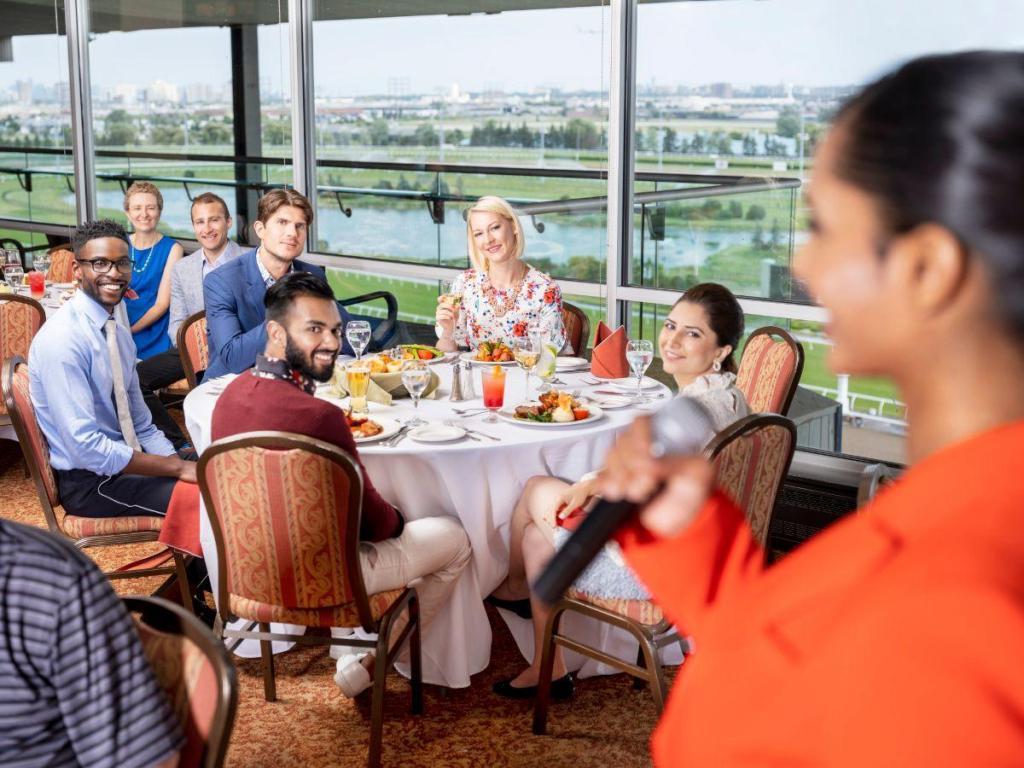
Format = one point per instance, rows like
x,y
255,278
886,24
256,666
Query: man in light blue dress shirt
x,y
76,395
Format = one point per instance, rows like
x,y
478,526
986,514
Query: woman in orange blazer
x,y
895,637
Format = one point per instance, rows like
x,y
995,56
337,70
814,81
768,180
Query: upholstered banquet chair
x,y
194,347
20,320
195,671
62,265
577,327
285,511
83,531
751,458
770,370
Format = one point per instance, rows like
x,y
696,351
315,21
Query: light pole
x,y
802,136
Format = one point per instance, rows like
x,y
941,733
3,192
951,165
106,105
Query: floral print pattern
x,y
538,304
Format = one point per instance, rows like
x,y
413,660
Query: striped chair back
x,y
20,320
62,266
194,347
193,669
770,370
285,512
751,458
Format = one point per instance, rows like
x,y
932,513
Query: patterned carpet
x,y
312,724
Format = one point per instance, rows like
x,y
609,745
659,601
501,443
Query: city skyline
x,y
687,44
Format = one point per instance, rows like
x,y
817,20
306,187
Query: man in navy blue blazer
x,y
235,317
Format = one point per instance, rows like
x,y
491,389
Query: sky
x,y
805,42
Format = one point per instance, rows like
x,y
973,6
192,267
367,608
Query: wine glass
x,y
639,355
450,297
526,351
415,378
358,334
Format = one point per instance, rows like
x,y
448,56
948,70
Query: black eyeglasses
x,y
102,266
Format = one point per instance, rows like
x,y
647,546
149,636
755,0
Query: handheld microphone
x,y
681,427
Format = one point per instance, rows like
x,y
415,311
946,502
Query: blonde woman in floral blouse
x,y
502,296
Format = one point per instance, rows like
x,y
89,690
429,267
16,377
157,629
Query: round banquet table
x,y
478,482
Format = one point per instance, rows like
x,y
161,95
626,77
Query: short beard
x,y
299,363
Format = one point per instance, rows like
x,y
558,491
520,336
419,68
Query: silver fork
x,y
468,411
471,432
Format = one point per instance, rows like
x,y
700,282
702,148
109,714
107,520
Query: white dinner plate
x,y
470,357
436,433
565,364
390,426
610,402
62,286
629,384
595,414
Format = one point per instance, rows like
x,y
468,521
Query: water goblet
x,y
42,264
358,334
639,355
415,378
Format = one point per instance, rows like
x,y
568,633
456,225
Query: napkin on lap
x,y
608,358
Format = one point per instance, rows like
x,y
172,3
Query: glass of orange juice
x,y
494,391
357,376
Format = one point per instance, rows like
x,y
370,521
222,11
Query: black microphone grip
x,y
579,549
681,427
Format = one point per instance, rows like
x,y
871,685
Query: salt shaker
x,y
468,392
456,394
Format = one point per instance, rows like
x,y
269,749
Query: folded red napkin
x,y
180,529
608,359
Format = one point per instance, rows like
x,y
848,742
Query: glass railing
x,y
689,227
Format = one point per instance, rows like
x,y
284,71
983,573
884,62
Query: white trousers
x,y
431,552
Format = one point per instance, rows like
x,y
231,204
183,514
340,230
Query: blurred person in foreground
x,y
895,637
77,688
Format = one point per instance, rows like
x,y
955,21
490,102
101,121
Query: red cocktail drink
x,y
494,390
36,283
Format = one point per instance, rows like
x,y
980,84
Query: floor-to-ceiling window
x,y
421,108
734,97
193,98
37,192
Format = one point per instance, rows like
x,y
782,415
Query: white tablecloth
x,y
478,482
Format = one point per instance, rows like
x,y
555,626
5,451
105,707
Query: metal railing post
x,y
76,20
621,121
300,27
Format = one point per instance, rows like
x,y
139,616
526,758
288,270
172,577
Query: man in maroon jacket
x,y
304,331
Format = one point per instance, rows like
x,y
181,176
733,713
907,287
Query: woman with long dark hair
x,y
895,637
696,343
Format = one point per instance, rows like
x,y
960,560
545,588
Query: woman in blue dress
x,y
154,256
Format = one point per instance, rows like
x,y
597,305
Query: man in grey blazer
x,y
211,223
